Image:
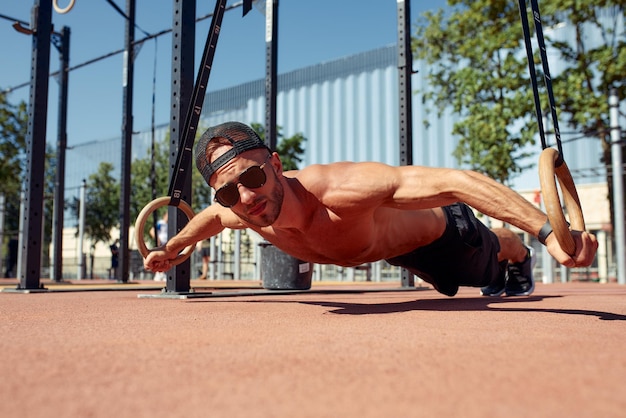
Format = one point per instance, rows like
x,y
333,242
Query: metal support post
x,y
20,236
81,232
602,257
2,209
32,220
237,256
271,62
63,45
127,142
212,258
183,72
618,188
405,70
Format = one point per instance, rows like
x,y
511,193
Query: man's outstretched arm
x,y
204,225
421,187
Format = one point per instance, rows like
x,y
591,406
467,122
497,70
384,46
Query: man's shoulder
x,y
335,169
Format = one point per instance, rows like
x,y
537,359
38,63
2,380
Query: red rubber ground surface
x,y
559,353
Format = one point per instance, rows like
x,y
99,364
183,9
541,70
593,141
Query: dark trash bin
x,y
281,271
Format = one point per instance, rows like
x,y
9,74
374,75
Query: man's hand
x,y
586,247
159,259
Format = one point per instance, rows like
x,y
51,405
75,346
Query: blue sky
x,y
310,32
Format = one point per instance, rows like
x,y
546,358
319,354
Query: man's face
x,y
250,187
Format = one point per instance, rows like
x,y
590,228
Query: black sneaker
x,y
496,288
520,278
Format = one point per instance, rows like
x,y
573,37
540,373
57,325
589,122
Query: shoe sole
x,y
493,295
533,263
526,293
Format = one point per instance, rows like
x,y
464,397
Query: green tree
x,y
592,68
141,172
141,178
290,149
48,204
141,182
477,67
102,200
476,70
13,129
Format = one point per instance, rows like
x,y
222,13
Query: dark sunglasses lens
x,y
227,195
253,177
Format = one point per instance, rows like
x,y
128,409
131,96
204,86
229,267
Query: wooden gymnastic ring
x,y
143,218
547,170
63,10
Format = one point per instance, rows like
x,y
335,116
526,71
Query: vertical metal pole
x,y
81,230
602,257
2,206
564,273
271,62
20,235
183,71
213,257
30,260
405,70
237,256
220,256
59,183
618,188
127,142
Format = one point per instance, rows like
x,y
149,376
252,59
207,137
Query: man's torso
x,y
356,238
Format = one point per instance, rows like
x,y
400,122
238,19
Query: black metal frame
x,y
271,73
127,143
405,71
62,43
183,47
29,263
184,97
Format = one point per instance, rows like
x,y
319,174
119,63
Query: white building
x,y
348,110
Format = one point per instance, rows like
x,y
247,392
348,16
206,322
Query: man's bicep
x,y
422,187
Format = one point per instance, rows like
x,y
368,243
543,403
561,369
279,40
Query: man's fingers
x,y
587,245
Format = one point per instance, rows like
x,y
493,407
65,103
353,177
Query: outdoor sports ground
x,y
359,350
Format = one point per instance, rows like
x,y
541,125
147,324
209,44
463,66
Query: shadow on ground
x,y
448,305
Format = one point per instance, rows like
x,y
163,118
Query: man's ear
x,y
277,163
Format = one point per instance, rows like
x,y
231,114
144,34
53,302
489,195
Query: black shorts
x,y
465,255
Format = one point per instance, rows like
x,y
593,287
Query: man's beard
x,y
274,203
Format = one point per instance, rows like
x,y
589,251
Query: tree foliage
x,y
102,197
13,128
141,178
141,182
290,149
13,152
592,68
478,68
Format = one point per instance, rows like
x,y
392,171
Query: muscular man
x,y
353,213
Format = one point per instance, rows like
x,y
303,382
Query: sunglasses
x,y
251,178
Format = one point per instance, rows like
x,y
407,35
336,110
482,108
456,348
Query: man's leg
x,y
512,248
521,260
205,268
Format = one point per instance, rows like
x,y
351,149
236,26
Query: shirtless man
x,y
353,213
